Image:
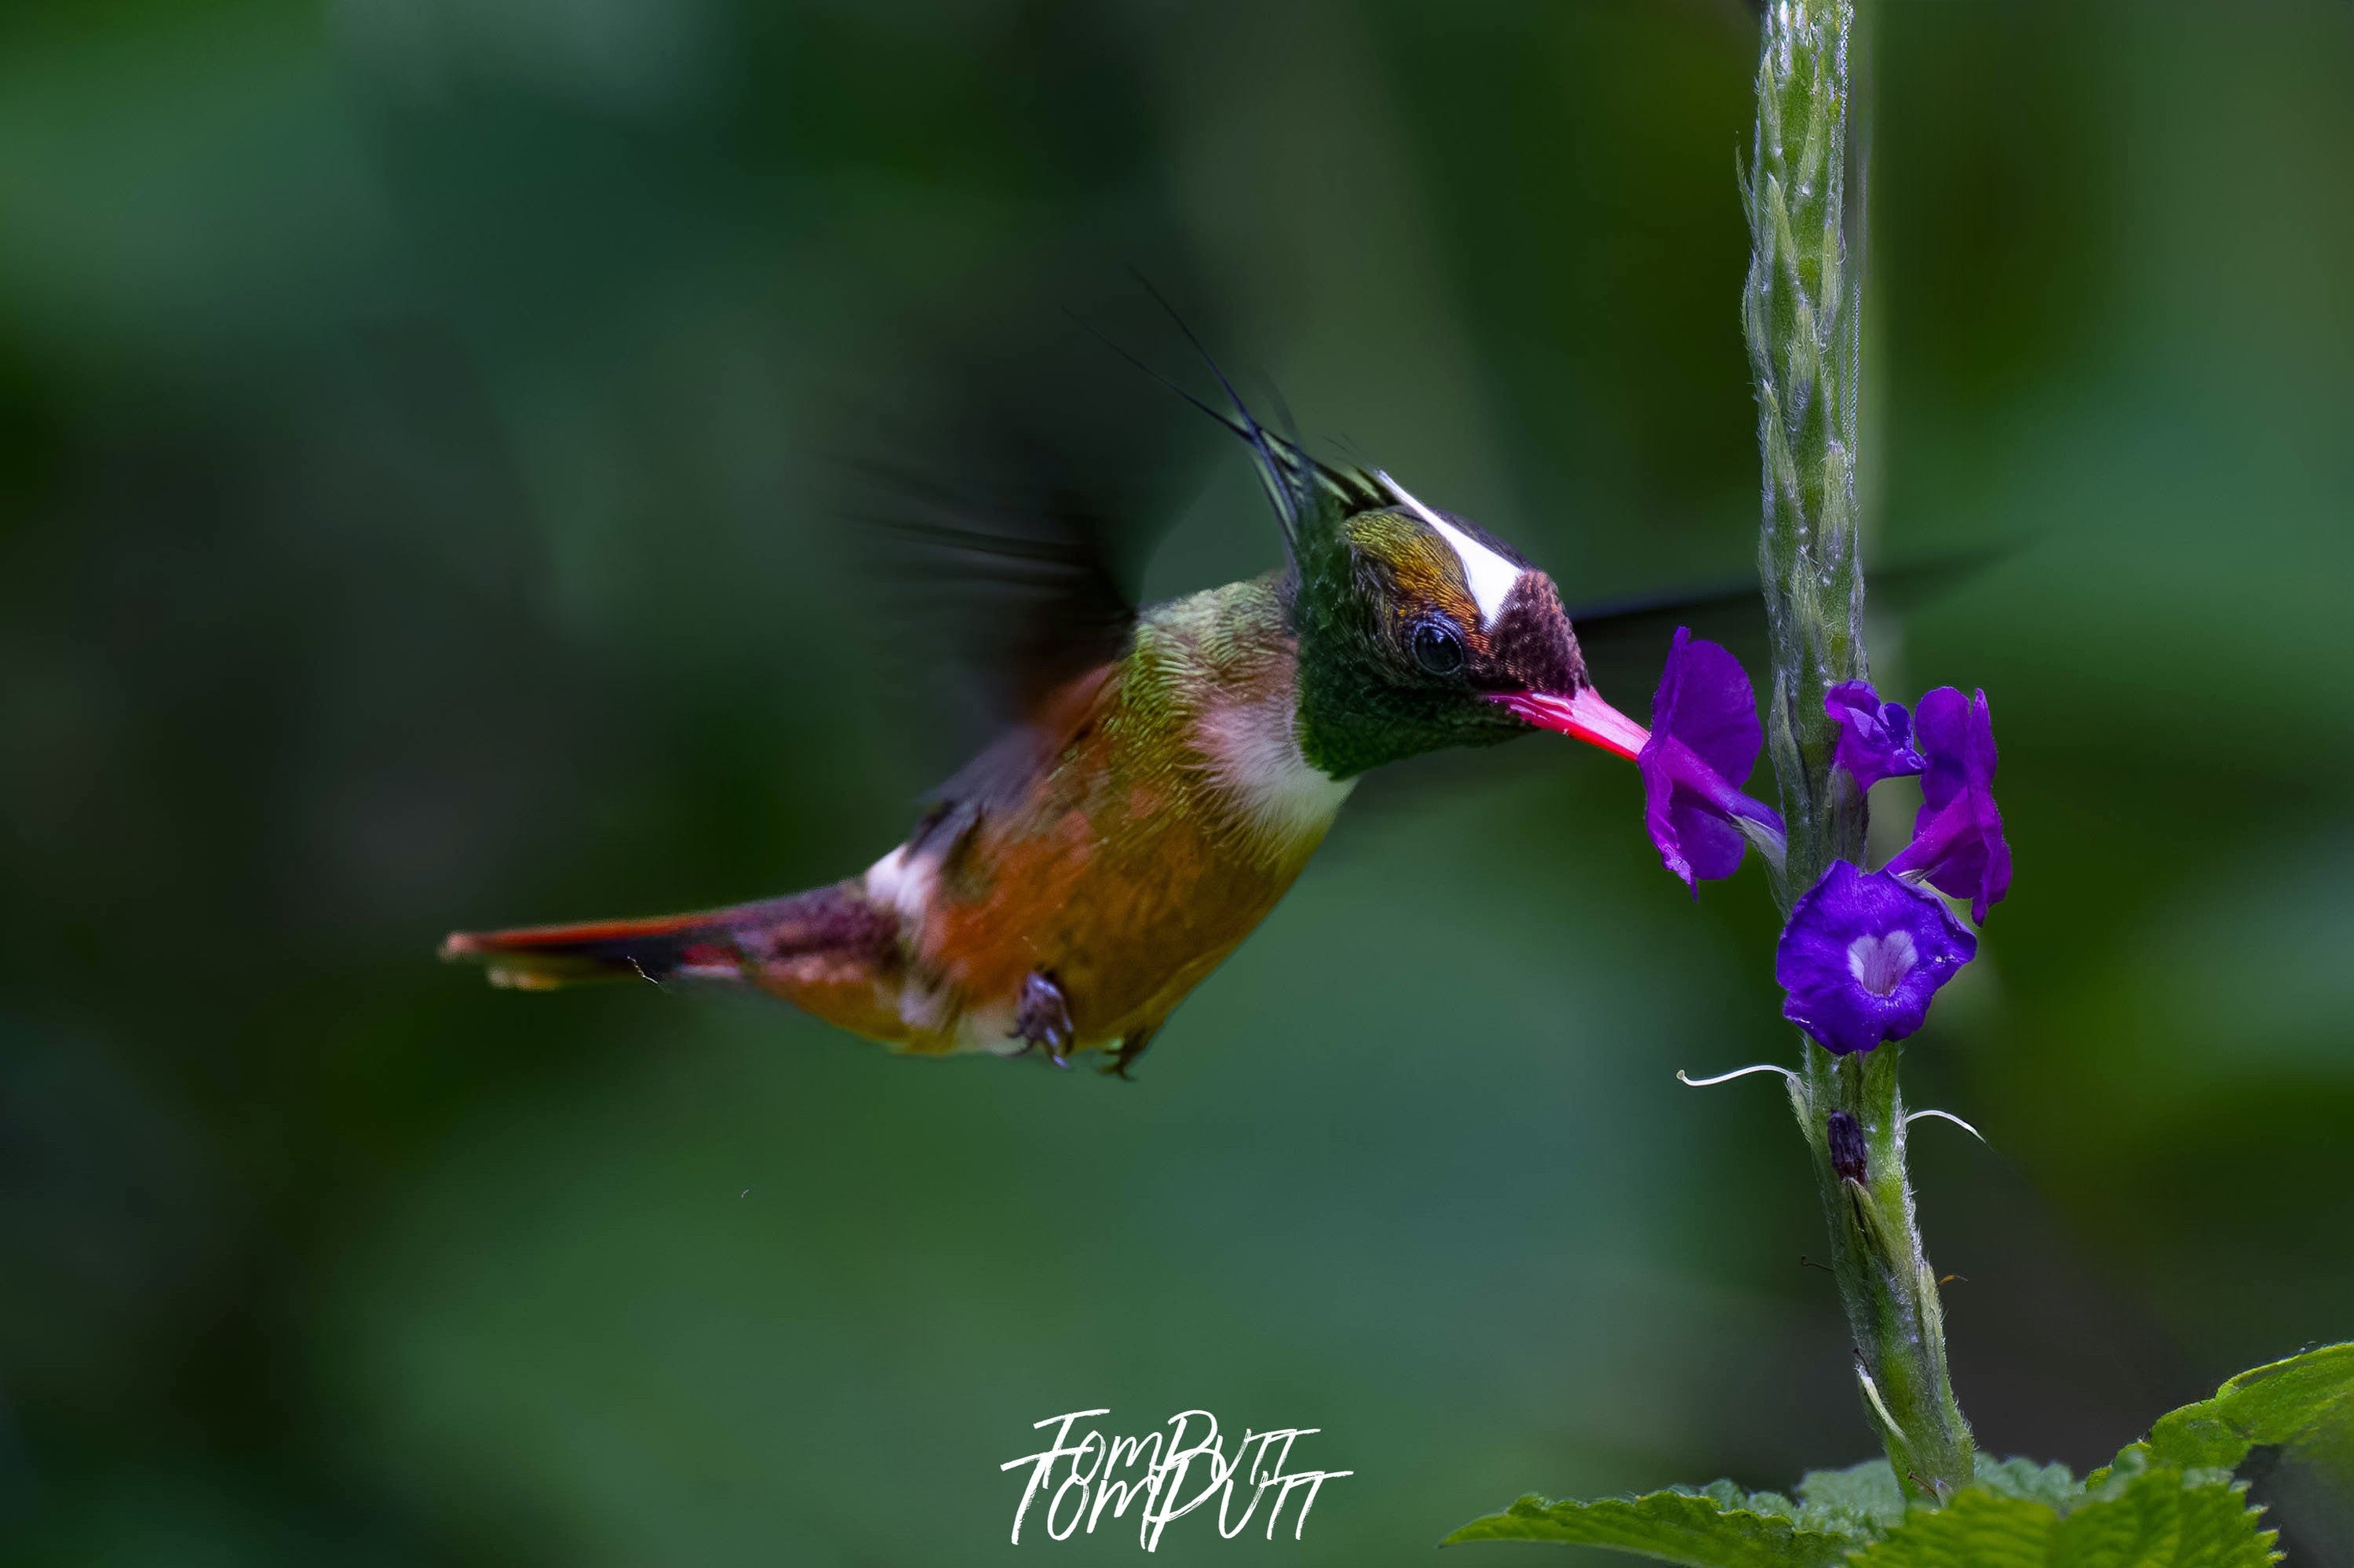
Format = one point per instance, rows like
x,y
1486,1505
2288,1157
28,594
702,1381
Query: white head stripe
x,y
1488,575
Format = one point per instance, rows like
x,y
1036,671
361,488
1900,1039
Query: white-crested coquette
x,y
1070,886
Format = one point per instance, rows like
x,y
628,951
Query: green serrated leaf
x,y
2304,1399
2154,1519
1729,1496
1701,1529
2025,1478
2166,1502
2157,1521
1977,1528
2286,1402
2134,1463
1862,1499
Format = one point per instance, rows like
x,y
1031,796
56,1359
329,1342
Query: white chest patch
x,y
1254,755
1488,575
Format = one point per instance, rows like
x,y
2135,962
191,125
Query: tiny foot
x,y
1043,1018
1130,1047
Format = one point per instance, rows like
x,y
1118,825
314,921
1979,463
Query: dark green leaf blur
x,y
416,422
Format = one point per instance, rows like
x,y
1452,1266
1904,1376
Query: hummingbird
x,y
1158,795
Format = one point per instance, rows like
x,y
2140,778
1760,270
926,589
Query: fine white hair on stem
x,y
1691,1082
1946,1116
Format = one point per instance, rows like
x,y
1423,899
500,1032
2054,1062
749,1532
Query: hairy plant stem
x,y
1802,313
1884,1278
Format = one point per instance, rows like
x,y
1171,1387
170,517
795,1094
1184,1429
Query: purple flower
x,y
1704,739
1862,955
1875,739
1958,844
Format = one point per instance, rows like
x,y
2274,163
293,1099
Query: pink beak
x,y
1583,715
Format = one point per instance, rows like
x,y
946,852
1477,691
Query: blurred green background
x,y
410,413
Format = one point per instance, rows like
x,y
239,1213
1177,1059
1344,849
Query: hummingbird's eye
x,y
1438,646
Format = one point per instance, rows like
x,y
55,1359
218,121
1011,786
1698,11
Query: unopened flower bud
x,y
1845,1135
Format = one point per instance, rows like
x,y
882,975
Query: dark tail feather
x,y
712,944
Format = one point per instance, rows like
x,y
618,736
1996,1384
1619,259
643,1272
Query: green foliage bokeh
x,y
410,417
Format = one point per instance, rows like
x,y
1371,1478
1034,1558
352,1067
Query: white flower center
x,y
1879,962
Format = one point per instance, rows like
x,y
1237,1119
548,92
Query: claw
x,y
1131,1046
1044,1019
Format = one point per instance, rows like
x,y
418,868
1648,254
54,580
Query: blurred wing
x,y
1625,641
1019,506
1008,582
1010,500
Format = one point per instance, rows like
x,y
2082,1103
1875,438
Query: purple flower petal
x,y
1862,956
1681,795
1957,845
1705,737
1874,738
1705,700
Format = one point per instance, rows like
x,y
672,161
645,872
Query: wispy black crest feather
x,y
1296,483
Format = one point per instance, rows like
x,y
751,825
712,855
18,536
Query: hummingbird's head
x,y
1419,630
